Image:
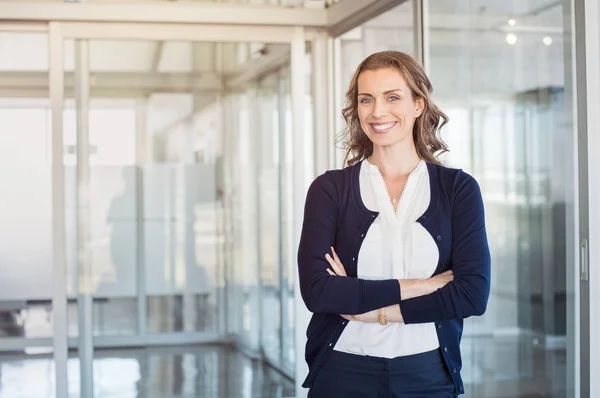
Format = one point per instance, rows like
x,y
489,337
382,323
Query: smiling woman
x,y
393,253
404,87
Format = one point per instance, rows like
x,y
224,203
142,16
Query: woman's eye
x,y
365,100
394,98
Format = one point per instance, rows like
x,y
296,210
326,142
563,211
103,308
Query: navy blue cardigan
x,y
335,215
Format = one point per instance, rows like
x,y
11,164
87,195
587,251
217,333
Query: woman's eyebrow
x,y
385,92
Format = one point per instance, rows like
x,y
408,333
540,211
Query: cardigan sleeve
x,y
468,293
320,291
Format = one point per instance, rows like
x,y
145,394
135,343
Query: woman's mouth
x,y
382,128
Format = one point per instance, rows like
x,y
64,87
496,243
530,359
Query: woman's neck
x,y
393,162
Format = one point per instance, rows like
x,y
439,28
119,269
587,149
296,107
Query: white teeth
x,y
382,127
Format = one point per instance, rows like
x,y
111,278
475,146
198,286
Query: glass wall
x,y
149,236
243,243
497,69
260,242
25,188
269,180
178,219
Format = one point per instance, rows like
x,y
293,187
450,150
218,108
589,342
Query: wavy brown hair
x,y
426,130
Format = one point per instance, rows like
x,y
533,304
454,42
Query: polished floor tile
x,y
493,367
173,372
512,366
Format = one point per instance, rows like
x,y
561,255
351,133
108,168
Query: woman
x,y
393,253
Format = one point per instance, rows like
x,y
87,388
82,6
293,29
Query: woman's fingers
x,y
334,265
337,260
331,272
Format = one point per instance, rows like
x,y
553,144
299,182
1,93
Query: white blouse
x,y
396,247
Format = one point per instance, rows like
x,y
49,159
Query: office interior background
x,y
157,258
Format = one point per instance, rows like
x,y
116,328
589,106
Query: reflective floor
x,y
512,366
494,368
170,372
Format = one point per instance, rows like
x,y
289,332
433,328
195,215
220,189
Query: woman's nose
x,y
380,110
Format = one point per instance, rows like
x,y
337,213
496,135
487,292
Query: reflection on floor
x,y
170,372
513,366
494,367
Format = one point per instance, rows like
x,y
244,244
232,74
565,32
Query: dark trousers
x,y
355,376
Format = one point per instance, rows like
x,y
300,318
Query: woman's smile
x,y
382,128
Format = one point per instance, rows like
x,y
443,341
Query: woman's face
x,y
386,109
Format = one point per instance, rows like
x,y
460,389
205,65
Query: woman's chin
x,y
384,140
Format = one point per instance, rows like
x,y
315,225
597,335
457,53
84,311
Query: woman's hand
x,y
440,280
411,288
368,317
336,264
337,269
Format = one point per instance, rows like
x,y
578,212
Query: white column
x,y
85,278
320,95
142,156
302,175
59,263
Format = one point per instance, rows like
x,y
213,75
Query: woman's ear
x,y
420,106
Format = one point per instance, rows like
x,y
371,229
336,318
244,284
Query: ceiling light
x,y
547,40
511,39
512,22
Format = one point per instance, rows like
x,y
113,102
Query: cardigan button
x,y
353,258
453,370
362,236
424,218
439,325
445,349
439,238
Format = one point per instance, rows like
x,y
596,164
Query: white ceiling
x,y
451,22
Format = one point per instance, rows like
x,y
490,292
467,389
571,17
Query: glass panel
x,y
25,176
153,215
497,71
180,254
113,215
256,197
244,289
270,200
392,30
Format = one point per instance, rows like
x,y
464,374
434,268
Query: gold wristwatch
x,y
382,318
